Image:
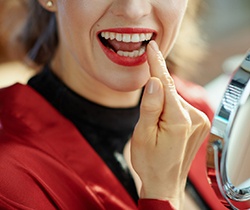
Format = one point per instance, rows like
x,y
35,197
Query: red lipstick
x,y
122,39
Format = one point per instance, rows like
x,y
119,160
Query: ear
x,y
49,5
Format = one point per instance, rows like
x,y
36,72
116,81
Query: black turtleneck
x,y
106,129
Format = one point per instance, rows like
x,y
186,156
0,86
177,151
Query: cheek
x,y
75,21
78,19
73,17
82,12
170,14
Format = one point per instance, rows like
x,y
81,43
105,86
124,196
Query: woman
x,y
65,135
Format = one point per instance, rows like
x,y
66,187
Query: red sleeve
x,y
154,204
8,204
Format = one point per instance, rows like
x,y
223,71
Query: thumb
x,y
152,103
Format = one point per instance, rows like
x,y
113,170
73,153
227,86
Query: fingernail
x,y
154,46
152,86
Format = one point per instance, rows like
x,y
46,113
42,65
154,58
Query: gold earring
x,y
49,3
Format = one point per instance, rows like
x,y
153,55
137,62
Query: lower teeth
x,y
133,54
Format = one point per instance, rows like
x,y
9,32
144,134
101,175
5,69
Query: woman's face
x,y
106,39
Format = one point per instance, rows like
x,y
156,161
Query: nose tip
x,y
131,9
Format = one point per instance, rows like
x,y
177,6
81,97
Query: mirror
x,y
228,150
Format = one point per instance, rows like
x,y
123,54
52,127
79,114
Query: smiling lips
x,y
125,46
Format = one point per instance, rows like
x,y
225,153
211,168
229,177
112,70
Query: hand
x,y
167,135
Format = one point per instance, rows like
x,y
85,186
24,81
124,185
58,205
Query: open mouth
x,y
130,45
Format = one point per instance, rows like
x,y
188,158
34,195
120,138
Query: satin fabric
x,y
46,164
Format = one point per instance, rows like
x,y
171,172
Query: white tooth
x,y
148,36
106,35
132,54
112,36
142,37
103,34
118,37
135,38
119,52
126,38
142,50
125,53
136,53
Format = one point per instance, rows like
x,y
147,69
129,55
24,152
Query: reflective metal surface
x,y
228,151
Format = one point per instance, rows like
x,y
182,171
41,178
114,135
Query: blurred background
x,y
225,26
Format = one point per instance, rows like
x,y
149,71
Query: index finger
x,y
159,69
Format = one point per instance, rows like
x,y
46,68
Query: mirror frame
x,y
235,96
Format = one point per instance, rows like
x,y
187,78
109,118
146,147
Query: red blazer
x,y
45,163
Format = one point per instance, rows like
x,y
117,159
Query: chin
x,y
129,86
125,79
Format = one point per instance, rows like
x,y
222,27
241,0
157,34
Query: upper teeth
x,y
127,37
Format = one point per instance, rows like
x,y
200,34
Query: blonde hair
x,y
189,48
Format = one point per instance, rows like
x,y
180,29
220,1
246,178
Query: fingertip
x,y
156,60
153,45
153,52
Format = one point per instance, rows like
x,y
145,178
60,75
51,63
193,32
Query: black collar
x,y
106,129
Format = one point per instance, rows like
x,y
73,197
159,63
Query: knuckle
x,y
181,127
202,122
204,119
169,81
186,119
206,124
161,59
